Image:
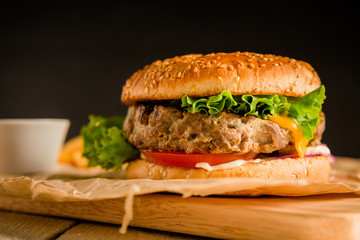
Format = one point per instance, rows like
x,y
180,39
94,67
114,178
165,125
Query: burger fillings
x,y
196,116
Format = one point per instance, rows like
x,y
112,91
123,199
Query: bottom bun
x,y
312,168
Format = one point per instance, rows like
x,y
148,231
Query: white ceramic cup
x,y
31,145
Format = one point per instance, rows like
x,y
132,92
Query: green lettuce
x,y
211,105
105,143
304,110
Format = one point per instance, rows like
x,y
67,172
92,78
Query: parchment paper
x,y
73,184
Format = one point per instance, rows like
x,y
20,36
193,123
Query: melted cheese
x,y
297,134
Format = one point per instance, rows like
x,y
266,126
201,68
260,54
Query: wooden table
x,y
20,226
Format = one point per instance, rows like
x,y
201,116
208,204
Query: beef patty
x,y
166,128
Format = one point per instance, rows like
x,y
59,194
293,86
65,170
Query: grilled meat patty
x,y
166,128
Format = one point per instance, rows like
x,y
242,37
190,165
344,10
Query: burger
x,y
218,115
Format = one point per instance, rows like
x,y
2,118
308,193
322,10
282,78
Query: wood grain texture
x,y
96,231
315,217
25,226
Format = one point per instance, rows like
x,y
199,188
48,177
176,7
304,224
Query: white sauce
x,y
232,164
320,149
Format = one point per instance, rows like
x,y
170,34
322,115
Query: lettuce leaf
x,y
105,143
304,111
260,106
211,105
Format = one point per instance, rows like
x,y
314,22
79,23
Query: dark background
x,y
71,60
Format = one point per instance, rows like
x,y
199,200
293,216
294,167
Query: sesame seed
x,y
230,68
150,173
298,76
263,65
220,78
237,79
196,69
146,89
276,64
251,65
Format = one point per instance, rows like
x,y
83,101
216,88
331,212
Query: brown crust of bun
x,y
198,75
311,168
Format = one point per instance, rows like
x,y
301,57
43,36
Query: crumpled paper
x,y
73,184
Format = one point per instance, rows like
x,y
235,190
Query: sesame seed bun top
x,y
198,75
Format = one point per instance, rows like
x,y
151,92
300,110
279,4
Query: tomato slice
x,y
182,159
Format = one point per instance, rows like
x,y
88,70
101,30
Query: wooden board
x,y
96,231
316,217
27,226
14,225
